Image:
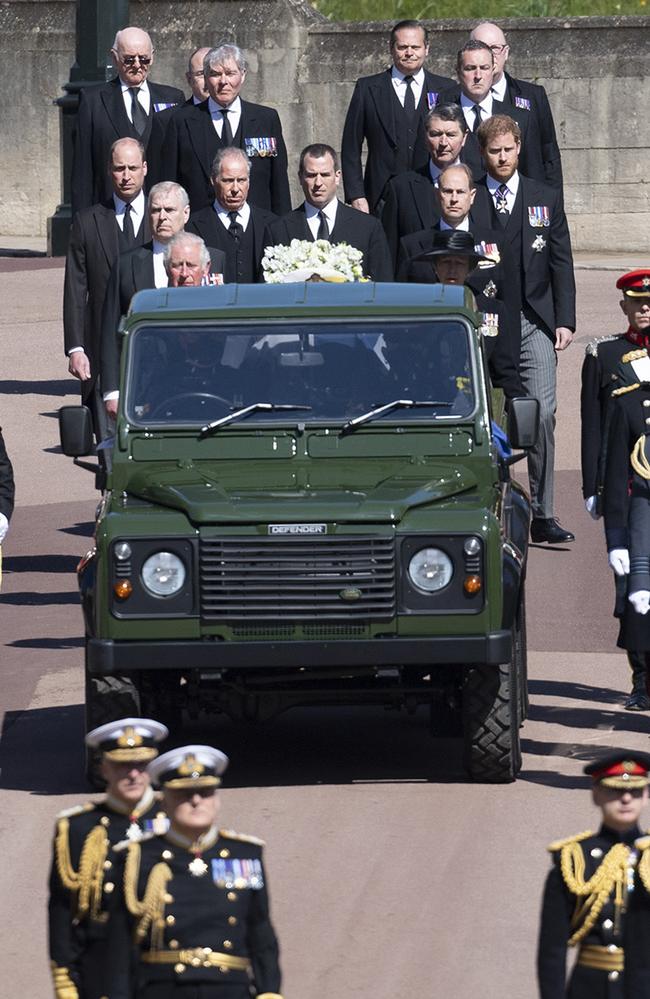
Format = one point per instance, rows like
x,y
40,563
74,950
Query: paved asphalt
x,y
390,874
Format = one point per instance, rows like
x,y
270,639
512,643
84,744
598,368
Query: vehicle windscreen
x,y
195,374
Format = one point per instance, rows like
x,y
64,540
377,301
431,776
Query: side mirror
x,y
523,422
76,431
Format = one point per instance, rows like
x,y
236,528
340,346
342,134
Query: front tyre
x,y
492,751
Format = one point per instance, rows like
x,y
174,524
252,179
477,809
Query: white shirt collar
x,y
461,227
142,87
499,88
216,109
485,105
418,78
137,205
329,211
512,185
243,214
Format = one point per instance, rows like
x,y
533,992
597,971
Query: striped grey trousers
x,y
538,362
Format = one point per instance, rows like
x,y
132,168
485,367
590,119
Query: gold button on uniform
x,y
646,402
227,944
107,865
613,976
167,898
170,920
108,887
173,944
224,853
179,968
167,855
232,896
232,920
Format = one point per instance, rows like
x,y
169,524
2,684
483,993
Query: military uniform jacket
x,y
206,917
572,915
610,363
630,421
82,884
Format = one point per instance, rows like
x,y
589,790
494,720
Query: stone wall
x,y
596,72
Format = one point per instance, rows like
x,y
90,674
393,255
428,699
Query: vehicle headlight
x,y
163,574
430,570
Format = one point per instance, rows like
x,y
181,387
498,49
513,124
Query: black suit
x,y
132,271
531,160
351,226
7,489
93,249
191,143
547,283
206,224
159,125
521,91
410,205
372,116
102,119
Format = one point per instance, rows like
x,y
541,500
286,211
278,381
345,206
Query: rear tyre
x,y
107,699
492,751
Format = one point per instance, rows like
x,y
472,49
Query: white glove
x,y
640,601
619,561
4,527
590,507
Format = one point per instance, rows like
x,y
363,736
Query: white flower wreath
x,y
303,259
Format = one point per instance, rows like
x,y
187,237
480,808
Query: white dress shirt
x,y
137,211
400,86
498,89
468,109
461,227
233,116
512,186
243,214
329,211
159,273
144,98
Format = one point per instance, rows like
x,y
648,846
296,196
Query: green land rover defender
x,y
307,504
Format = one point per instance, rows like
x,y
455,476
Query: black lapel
x,y
107,230
383,97
113,102
203,137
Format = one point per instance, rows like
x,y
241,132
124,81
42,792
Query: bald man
x,y
195,77
122,108
527,97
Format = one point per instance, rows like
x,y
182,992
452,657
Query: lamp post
x,y
97,22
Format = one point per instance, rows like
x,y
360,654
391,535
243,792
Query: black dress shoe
x,y
548,529
638,700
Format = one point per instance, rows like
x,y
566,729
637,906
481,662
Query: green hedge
x,y
380,10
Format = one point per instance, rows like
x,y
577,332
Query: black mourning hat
x,y
453,243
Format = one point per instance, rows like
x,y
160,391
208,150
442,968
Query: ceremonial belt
x,y
197,957
602,958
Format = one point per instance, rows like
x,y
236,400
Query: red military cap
x,y
636,284
620,769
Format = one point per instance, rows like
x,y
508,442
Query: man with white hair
x,y
187,261
196,134
122,108
528,97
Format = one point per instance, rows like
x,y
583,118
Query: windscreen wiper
x,y
358,421
239,414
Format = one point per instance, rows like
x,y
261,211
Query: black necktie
x,y
323,228
138,113
226,131
477,117
235,228
409,96
501,204
127,228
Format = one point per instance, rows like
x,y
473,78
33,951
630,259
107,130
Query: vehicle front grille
x,y
296,579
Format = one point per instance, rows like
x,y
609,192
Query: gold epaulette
x,y
67,813
643,842
559,843
634,355
592,346
85,884
231,834
626,388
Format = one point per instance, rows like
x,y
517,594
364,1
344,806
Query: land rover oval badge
x,y
350,593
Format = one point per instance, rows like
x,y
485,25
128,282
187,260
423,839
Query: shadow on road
x,y
41,750
47,643
39,599
590,718
40,563
84,530
555,779
574,691
58,386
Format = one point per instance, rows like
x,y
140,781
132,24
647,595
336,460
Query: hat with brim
x,y
452,243
188,767
128,740
620,770
635,284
